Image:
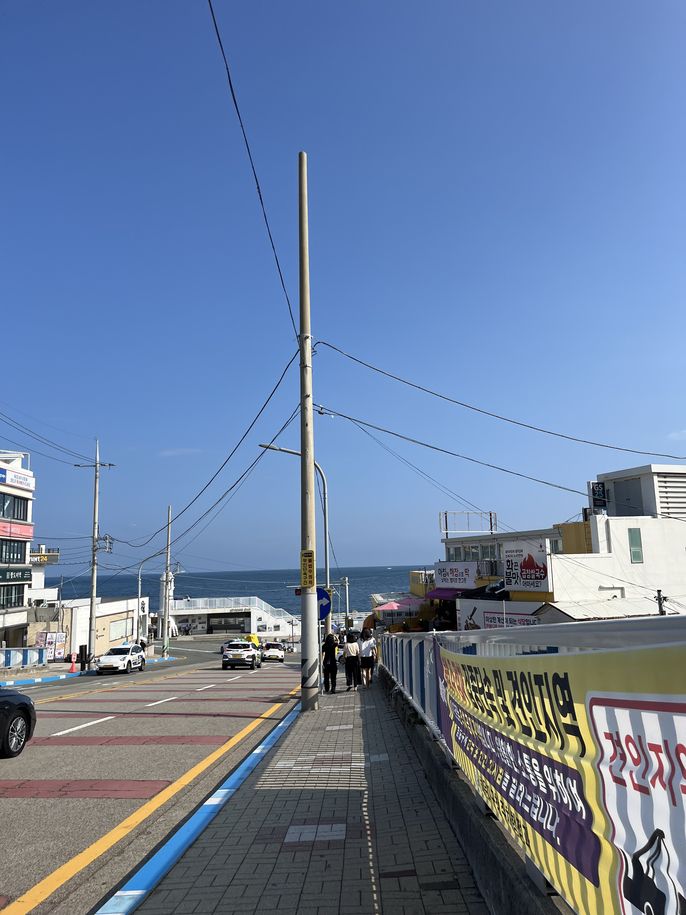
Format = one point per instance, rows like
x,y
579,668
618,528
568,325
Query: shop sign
x,y
456,574
20,480
16,530
15,575
526,565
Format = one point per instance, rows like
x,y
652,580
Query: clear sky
x,y
497,211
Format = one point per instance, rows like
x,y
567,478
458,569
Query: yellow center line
x,y
50,884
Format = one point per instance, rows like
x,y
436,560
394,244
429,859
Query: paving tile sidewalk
x,y
339,818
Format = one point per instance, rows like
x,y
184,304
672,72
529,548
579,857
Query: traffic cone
x,y
72,669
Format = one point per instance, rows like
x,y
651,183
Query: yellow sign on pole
x,y
308,578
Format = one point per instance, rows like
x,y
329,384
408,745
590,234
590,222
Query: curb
x,y
80,673
147,877
500,873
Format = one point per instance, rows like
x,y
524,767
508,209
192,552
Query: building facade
x,y
17,485
630,544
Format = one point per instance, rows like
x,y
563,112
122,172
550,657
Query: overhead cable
x,y
137,545
234,99
498,416
238,482
463,457
42,439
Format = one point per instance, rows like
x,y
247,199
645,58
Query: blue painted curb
x,y
80,673
144,881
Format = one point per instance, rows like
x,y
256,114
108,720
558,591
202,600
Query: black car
x,y
17,722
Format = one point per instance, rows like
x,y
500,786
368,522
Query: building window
x,y
13,507
471,552
454,554
635,545
12,596
555,546
488,551
13,551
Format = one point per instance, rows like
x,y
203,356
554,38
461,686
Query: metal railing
x,y
522,713
207,604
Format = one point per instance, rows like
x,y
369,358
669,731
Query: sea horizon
x,y
275,586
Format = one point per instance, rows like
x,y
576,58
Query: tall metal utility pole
x,y
325,509
347,599
167,586
94,550
309,672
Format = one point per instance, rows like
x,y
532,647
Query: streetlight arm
x,y
325,499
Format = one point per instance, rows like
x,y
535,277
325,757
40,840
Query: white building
x,y
235,616
631,543
17,485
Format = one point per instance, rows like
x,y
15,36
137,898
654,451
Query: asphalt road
x,y
112,748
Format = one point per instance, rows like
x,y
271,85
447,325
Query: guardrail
x,y
200,604
574,736
23,657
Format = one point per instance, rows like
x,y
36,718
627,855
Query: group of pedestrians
x,y
357,655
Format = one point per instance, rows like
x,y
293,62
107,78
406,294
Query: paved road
x,y
136,752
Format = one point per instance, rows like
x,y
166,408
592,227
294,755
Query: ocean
x,y
274,586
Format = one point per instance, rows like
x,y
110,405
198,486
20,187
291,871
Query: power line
x,y
252,166
234,486
33,451
505,419
214,476
43,440
463,457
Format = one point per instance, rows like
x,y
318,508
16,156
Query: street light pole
x,y
325,500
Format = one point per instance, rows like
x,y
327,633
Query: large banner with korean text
x,y
582,757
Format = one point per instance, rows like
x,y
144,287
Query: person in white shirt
x,y
351,653
367,656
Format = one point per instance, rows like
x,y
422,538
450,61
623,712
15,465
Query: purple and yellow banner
x,y
582,757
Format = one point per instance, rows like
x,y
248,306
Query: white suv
x,y
273,651
240,654
124,657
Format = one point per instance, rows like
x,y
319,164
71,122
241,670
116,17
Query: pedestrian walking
x,y
367,656
329,663
351,652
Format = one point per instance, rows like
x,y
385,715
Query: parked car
x,y
273,651
122,658
17,722
240,654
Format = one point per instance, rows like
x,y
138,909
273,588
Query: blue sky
x,y
496,211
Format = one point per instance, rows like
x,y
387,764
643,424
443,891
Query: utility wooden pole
x,y
167,586
95,546
309,672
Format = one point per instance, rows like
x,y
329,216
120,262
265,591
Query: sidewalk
x,y
338,818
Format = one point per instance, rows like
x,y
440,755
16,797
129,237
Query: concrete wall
x,y
610,570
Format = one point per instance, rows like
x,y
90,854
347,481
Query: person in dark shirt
x,y
330,664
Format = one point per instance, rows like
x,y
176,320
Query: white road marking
x,y
201,688
160,701
232,678
86,725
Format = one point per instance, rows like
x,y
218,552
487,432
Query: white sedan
x,y
273,651
123,658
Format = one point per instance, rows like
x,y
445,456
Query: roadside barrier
x,y
23,657
574,737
